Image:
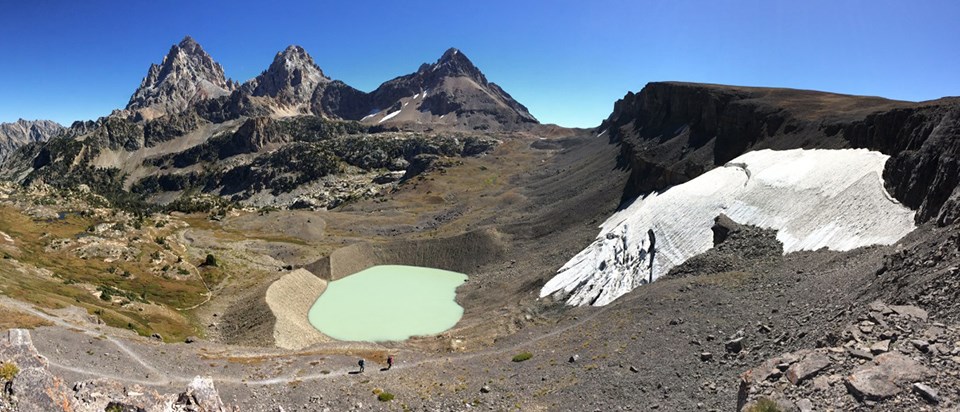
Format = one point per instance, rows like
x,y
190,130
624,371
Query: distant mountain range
x,y
21,132
449,93
282,138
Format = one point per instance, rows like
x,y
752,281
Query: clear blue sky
x,y
567,61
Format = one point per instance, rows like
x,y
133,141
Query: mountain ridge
x,y
294,84
21,132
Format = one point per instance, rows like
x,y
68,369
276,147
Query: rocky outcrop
x,y
35,388
888,360
672,132
21,132
186,76
736,247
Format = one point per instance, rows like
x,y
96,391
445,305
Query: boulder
x,y
722,227
910,310
927,393
885,377
880,347
203,395
734,345
807,368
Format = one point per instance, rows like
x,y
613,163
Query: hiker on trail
x,y
361,363
389,362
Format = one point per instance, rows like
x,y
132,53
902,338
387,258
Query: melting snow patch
x,y
813,198
390,116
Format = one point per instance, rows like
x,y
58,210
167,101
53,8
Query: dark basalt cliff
x,y
673,132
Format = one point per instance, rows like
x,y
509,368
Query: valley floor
x,y
660,347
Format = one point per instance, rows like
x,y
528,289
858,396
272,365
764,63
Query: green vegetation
x,y
133,281
316,148
210,261
8,371
107,293
385,397
764,405
520,357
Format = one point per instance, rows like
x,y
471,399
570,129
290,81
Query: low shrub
x,y
210,261
520,357
8,371
765,405
385,397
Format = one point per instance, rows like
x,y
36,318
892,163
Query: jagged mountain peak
x,y
188,42
452,91
292,78
295,58
453,63
186,75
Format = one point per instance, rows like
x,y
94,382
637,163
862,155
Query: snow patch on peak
x,y
389,116
813,198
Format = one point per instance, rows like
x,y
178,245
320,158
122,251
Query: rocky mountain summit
x,y
21,132
450,93
291,81
185,76
452,87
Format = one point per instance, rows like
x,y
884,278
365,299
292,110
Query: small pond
x,y
388,303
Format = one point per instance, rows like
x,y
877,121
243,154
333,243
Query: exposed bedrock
x,y
672,132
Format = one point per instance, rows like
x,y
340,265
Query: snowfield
x,y
390,116
813,198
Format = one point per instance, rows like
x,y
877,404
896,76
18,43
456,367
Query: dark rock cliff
x,y
673,132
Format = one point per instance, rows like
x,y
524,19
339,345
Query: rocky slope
x,y
21,132
185,76
671,132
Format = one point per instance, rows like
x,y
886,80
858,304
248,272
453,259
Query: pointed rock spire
x,y
292,78
186,75
454,63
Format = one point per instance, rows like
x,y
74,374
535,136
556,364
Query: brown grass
x,y
10,319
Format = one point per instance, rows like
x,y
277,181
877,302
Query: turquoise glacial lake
x,y
389,303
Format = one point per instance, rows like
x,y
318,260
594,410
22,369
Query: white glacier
x,y
813,198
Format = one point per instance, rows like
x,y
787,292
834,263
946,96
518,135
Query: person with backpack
x,y
389,362
361,363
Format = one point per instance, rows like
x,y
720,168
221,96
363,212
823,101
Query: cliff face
x,y
672,132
